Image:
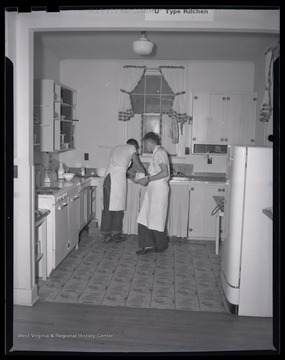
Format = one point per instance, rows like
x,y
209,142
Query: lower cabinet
x,y
74,219
197,210
202,224
61,236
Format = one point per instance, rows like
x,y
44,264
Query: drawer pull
x,y
75,197
62,206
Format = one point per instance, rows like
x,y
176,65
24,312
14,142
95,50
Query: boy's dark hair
x,y
152,136
133,142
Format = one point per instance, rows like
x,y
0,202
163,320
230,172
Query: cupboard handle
x,y
226,139
194,139
75,197
223,190
252,140
219,190
224,98
192,189
222,139
195,97
190,229
228,98
62,206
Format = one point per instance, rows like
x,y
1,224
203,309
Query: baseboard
x,y
26,296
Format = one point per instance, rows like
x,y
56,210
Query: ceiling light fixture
x,y
143,46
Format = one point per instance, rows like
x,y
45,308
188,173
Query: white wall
x,y
46,63
98,84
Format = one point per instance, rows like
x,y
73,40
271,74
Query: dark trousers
x,y
154,238
112,221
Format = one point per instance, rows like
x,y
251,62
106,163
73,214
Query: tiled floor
x,y
185,276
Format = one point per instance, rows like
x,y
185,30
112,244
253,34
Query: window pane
x,y
152,104
140,87
166,102
166,89
153,84
150,123
137,103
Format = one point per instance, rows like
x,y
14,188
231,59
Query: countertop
x,y
268,212
64,185
204,177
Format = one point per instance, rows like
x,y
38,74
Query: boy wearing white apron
x,y
115,188
153,213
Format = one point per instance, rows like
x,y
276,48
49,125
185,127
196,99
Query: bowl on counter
x,y
68,176
101,172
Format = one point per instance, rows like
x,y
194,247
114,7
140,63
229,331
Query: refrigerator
x,y
247,251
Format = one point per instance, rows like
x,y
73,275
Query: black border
x,y
25,6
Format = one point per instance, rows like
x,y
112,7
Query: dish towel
x,y
266,105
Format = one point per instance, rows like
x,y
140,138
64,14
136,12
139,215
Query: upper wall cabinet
x,y
54,116
224,118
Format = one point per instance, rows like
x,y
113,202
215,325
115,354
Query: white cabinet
x,y
210,204
197,210
85,204
241,118
202,224
54,116
62,243
74,218
223,118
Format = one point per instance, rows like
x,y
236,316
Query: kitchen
x,y
67,59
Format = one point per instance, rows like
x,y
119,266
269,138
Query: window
x,y
152,95
151,98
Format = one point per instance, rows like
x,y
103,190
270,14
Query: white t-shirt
x,y
121,156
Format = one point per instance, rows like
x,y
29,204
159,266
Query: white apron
x,y
118,192
153,212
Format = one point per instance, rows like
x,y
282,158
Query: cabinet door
x,y
197,210
88,205
209,118
62,243
83,208
234,119
216,124
211,220
201,113
74,214
241,118
178,210
248,119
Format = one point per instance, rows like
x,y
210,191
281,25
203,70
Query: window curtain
x,y
131,77
267,105
174,76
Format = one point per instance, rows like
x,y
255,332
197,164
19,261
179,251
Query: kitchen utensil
x,y
68,176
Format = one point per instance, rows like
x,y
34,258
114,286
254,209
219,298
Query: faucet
x,y
209,159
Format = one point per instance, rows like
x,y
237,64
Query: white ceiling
x,y
194,45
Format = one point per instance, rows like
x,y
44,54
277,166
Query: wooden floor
x,y
91,328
